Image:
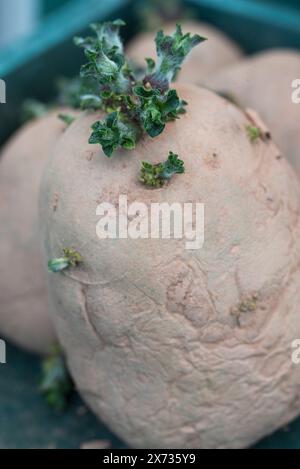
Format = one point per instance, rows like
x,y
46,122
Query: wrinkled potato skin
x,y
24,315
264,83
217,52
148,326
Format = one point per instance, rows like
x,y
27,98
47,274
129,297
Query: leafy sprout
x,y
156,175
106,64
171,52
56,384
134,104
70,258
156,108
114,133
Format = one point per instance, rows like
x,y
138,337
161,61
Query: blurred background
x,y
20,17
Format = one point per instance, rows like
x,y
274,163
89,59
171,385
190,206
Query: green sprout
x,y
56,384
156,175
253,132
249,304
114,133
67,118
107,65
134,104
156,109
171,52
70,258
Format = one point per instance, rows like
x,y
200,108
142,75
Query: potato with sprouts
x,y
174,347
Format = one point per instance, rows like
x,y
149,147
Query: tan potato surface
x,y
177,348
264,82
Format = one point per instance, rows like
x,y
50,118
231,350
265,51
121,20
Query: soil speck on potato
x,y
212,161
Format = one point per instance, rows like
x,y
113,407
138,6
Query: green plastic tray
x,y
29,68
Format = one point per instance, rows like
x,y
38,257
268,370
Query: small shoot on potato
x,y
156,175
55,385
71,258
247,305
134,105
256,129
171,52
253,132
68,119
114,133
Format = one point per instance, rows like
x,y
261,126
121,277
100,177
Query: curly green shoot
x,y
156,175
71,258
134,105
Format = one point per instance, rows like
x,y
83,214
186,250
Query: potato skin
x,y
217,52
148,326
24,315
264,82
